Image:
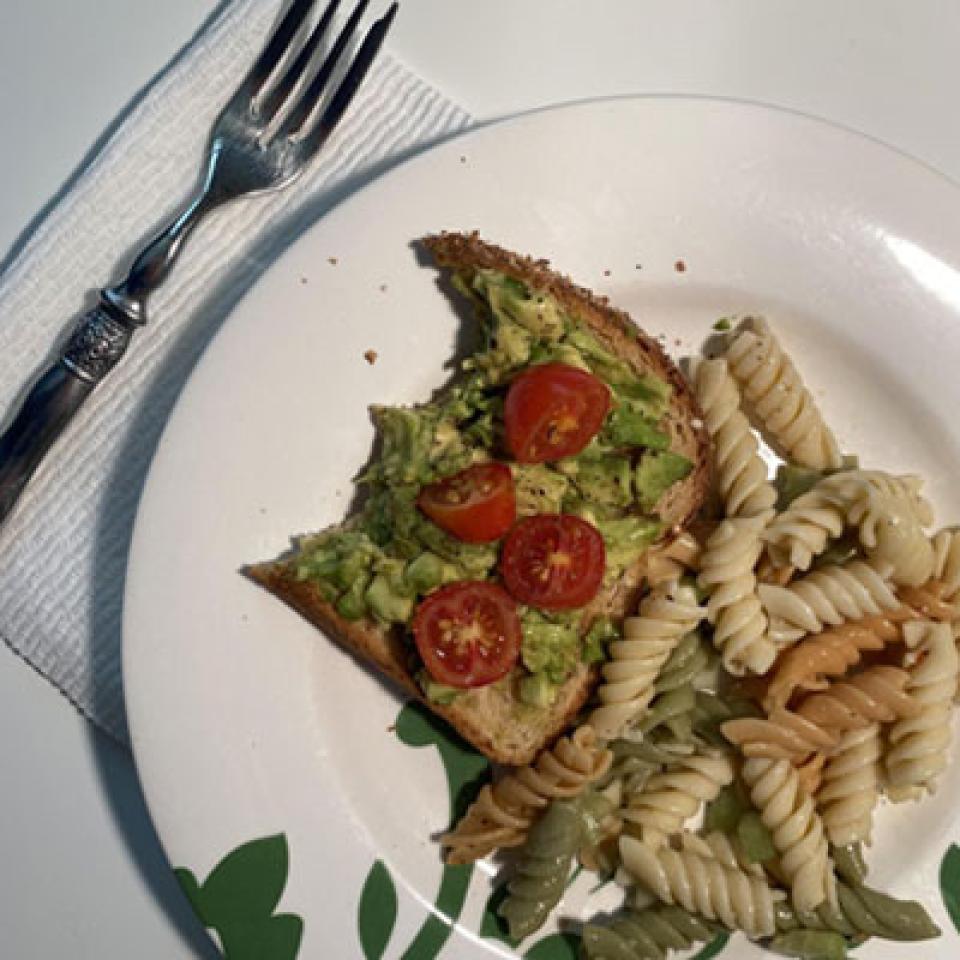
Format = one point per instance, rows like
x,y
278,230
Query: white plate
x,y
248,724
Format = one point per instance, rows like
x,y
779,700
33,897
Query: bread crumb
x,y
606,273
383,288
332,261
680,266
370,356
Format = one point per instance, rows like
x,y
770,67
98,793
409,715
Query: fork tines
x,y
272,99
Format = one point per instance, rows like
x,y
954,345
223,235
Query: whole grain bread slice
x,y
493,718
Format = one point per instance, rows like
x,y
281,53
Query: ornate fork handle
x,y
97,343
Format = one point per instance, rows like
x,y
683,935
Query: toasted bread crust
x,y
493,718
621,335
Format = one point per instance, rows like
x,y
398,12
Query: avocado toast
x,y
635,477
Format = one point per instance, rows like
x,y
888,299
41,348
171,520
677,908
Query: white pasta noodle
x,y
946,565
917,752
826,597
904,488
734,609
666,615
718,845
741,473
789,814
866,499
702,884
850,787
503,812
670,798
902,545
783,405
669,563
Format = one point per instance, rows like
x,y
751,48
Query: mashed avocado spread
x,y
390,555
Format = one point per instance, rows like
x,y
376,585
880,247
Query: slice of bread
x,y
493,718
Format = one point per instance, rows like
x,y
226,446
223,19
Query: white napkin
x,y
63,550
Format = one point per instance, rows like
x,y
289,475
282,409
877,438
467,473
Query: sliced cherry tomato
x,y
553,411
477,504
553,561
468,633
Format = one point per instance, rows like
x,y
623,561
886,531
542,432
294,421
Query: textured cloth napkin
x,y
63,550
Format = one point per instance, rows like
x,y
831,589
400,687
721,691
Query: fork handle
x,y
96,344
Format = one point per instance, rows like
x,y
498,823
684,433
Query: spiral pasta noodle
x,y
733,607
783,405
861,912
543,867
877,695
901,545
798,834
503,811
702,885
670,798
946,566
826,597
741,473
808,665
669,562
718,845
666,615
887,510
690,657
917,753
851,787
645,934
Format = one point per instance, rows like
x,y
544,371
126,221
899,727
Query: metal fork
x,y
262,140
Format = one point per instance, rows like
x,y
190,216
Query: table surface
x,y
82,873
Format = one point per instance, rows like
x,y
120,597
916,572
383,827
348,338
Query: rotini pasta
x,y
863,912
870,500
874,696
798,834
851,787
809,665
668,563
741,473
826,597
901,545
666,616
685,665
503,811
646,934
721,847
545,861
783,405
810,772
702,885
946,564
670,798
917,753
733,607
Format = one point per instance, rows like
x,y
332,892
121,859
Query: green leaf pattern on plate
x,y
377,912
713,948
239,897
950,883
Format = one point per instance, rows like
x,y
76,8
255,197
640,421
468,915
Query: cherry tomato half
x,y
477,504
468,633
553,411
553,561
